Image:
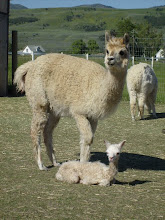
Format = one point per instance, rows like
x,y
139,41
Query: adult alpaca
x,y
60,85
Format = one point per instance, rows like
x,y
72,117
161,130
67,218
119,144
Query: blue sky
x,y
123,4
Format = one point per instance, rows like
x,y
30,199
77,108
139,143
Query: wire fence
x,y
149,51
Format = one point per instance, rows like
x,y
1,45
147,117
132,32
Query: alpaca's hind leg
x,y
133,104
47,133
141,101
86,135
38,122
148,106
152,98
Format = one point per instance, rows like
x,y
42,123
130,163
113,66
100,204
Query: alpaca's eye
x,y
107,51
117,153
121,52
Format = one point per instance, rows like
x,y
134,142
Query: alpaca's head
x,y
113,150
116,52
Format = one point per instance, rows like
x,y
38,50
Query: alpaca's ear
x,y
107,144
126,39
122,143
107,36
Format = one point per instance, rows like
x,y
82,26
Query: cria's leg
x,y
133,104
47,133
88,181
85,182
104,182
38,123
86,136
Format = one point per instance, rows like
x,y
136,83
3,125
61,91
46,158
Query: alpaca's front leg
x,y
86,136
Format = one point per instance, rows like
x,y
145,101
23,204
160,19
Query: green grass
x,y
27,193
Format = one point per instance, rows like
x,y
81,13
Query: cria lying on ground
x,y
142,84
92,173
61,85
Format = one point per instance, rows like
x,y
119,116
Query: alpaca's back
x,y
141,79
142,84
69,84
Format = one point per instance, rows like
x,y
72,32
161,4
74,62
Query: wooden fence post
x,y
133,60
152,62
14,53
4,29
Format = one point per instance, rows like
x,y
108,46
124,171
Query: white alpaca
x,y
61,85
89,173
142,84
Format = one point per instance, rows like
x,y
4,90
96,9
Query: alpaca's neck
x,y
113,168
117,80
116,85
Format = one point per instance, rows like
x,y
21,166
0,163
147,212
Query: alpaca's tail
x,y
20,74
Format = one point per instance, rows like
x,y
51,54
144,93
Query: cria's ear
x,y
122,143
107,144
126,39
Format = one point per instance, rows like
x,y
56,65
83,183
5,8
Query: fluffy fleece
x,y
142,84
92,173
61,85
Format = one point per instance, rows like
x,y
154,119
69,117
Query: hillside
x,y
95,6
56,28
17,6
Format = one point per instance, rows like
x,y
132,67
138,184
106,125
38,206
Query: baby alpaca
x,y
142,84
89,173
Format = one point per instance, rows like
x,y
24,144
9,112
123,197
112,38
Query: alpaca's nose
x,y
111,158
111,60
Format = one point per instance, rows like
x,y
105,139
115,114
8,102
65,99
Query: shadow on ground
x,y
132,183
132,161
159,115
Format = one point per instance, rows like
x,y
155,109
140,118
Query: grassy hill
x,y
17,6
95,6
56,28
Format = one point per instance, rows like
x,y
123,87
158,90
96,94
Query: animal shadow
x,y
132,161
132,183
159,115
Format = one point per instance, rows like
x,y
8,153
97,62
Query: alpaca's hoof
x,y
56,164
163,131
43,168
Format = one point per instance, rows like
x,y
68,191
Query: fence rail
x,y
157,64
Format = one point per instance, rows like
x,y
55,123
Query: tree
x,y
79,47
151,39
93,47
144,39
125,26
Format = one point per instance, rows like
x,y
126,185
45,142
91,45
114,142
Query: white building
x,y
159,54
33,49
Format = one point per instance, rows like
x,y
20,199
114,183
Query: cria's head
x,y
116,52
113,150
